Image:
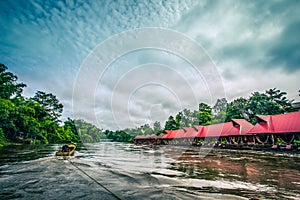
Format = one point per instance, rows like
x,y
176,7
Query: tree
x,y
219,110
272,102
146,129
220,117
204,114
119,136
170,124
50,103
259,103
35,119
178,118
87,131
157,128
7,118
8,84
71,123
220,105
26,121
2,137
237,109
275,95
186,118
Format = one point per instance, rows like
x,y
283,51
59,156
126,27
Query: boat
x,y
69,151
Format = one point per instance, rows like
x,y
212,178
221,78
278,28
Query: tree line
x,y
270,102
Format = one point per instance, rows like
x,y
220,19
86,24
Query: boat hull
x,y
67,153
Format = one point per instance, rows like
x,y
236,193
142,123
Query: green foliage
x,y
220,106
178,123
204,114
157,128
261,104
50,104
236,109
188,118
7,117
8,86
127,135
219,117
71,123
171,124
279,141
2,137
119,136
272,102
35,119
275,95
297,142
88,132
219,110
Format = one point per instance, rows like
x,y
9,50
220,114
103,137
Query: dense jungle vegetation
x,y
31,120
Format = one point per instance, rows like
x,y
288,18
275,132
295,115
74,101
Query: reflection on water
x,y
134,172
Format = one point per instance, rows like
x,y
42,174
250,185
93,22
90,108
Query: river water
x,y
111,170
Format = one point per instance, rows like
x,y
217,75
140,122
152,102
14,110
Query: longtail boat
x,y
69,151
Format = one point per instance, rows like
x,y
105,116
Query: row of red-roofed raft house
x,y
271,131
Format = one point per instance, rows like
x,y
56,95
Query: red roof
x,y
283,123
244,126
171,134
199,130
217,130
176,134
235,127
190,133
167,136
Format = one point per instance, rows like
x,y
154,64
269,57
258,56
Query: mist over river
x,y
111,170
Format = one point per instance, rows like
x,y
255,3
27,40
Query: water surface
x,y
134,172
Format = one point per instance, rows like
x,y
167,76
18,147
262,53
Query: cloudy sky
x,y
121,64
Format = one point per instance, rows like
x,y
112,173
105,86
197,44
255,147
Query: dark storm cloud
x,y
286,48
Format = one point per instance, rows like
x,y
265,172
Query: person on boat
x,y
65,148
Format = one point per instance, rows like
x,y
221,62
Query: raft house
x,y
280,131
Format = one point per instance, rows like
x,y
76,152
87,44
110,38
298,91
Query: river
x,y
111,170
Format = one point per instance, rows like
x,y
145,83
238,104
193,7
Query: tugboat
x,y
66,150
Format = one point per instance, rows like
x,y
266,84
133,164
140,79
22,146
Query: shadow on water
x,y
135,172
24,152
